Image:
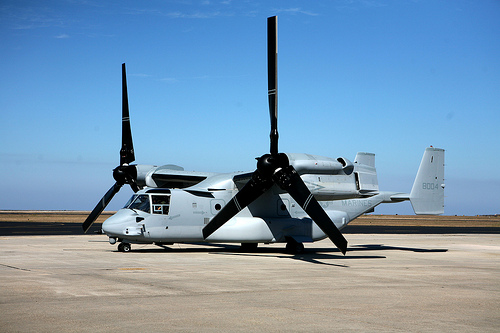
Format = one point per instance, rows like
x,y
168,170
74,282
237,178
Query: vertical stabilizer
x,y
427,194
365,173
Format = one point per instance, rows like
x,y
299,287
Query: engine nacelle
x,y
144,175
305,163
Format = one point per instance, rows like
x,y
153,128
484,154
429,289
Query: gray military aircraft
x,y
289,198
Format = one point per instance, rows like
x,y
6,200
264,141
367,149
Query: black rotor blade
x,y
255,187
100,206
272,79
127,152
134,186
289,180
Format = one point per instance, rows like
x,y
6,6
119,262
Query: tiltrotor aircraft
x,y
289,198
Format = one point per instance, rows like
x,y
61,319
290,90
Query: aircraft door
x,y
155,225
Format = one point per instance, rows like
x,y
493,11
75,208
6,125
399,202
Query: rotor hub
x,y
125,174
268,164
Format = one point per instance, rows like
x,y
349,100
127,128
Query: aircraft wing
x,y
241,179
212,181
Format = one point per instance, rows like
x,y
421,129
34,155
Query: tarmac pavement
x,y
385,283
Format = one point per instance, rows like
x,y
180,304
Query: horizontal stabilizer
x,y
399,197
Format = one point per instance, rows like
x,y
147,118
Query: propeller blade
x,y
100,206
255,187
124,173
127,152
289,180
272,79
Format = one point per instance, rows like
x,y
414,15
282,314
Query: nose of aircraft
x,y
119,222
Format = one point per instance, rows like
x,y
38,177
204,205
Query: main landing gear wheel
x,y
249,247
124,247
294,247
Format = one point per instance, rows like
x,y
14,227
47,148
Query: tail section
x,y
427,194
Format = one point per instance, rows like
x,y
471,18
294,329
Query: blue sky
x,y
388,77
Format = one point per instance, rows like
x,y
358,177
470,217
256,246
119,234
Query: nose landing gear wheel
x,y
124,247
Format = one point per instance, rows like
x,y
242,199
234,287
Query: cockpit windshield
x,y
132,198
140,202
161,203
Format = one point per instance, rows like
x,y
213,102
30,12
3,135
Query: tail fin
x,y
427,194
365,173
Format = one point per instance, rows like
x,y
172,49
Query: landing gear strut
x,y
294,247
124,247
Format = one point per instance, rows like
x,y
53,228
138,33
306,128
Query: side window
x,y
161,204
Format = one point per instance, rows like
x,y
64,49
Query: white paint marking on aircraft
x,y
307,201
237,204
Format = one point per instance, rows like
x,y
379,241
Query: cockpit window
x,y
132,198
141,202
161,204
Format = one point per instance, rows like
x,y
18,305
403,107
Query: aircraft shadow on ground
x,y
310,255
382,247
230,248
